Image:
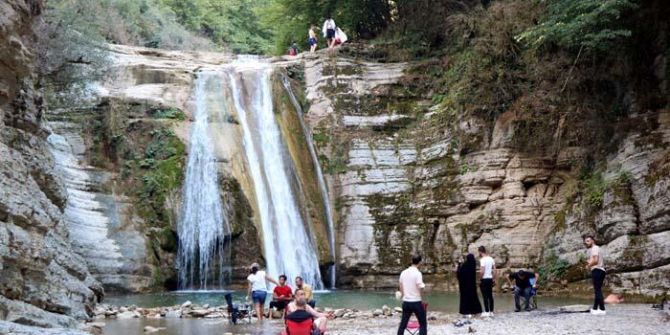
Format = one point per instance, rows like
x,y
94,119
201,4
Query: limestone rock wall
x,y
43,281
122,149
406,176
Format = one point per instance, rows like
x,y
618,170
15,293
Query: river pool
x,y
362,300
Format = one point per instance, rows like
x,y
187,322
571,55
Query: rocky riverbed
x,y
193,319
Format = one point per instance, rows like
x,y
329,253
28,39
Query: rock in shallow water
x,y
150,329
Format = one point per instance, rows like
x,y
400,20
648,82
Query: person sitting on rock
x,y
300,306
281,295
522,287
309,295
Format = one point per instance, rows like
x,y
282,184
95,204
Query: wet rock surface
x,y
44,282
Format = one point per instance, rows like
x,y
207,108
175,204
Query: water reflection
x,y
362,300
188,327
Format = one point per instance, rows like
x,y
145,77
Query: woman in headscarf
x,y
467,286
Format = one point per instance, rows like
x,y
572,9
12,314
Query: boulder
x,y
151,329
127,315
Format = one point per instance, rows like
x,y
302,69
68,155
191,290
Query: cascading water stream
x,y
319,176
288,247
203,228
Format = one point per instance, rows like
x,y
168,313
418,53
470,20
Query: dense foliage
x,y
595,25
289,20
231,23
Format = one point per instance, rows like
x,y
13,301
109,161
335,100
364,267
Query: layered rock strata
x,y
408,177
43,282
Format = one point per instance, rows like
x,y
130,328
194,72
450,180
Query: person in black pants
x,y
411,284
487,276
596,264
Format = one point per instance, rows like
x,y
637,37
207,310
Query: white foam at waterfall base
x,y
203,228
287,245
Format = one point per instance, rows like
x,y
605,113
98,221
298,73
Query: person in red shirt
x,y
281,295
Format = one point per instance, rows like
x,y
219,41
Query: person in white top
x,y
258,289
329,27
487,279
596,263
411,284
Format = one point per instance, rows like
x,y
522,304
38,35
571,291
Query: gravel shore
x,y
626,319
621,319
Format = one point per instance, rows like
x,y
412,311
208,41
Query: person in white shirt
x,y
487,278
258,289
596,263
329,27
411,284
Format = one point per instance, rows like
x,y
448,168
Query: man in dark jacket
x,y
522,287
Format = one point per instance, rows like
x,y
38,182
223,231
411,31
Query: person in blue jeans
x,y
411,284
258,289
522,287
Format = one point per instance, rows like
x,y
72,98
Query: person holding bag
x,y
329,28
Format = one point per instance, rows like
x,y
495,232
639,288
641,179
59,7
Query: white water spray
x,y
288,247
319,177
203,228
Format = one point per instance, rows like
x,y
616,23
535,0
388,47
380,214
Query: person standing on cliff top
x,y
487,276
329,27
411,284
312,40
596,263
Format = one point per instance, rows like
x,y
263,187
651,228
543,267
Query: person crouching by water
x,y
522,287
258,289
411,284
293,49
309,294
467,287
281,295
299,308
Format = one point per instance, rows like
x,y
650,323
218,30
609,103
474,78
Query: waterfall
x,y
287,244
319,176
203,228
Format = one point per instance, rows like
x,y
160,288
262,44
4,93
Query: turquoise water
x,y
362,300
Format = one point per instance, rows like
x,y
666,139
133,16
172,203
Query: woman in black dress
x,y
467,286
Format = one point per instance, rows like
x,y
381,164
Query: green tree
x,y
593,25
289,20
231,23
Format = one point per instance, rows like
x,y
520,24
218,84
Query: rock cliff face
x,y
407,176
43,281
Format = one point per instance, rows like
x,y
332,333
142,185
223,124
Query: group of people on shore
x,y
298,305
524,282
331,32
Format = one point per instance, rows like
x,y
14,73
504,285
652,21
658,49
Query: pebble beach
x,y
629,319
